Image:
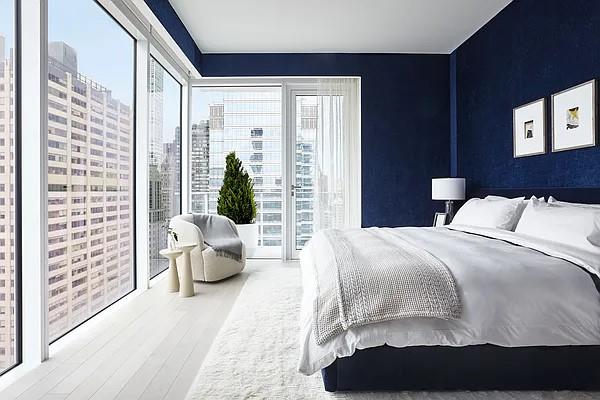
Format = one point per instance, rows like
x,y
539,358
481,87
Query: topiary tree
x,y
236,196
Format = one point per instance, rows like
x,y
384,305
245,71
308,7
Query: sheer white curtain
x,y
337,154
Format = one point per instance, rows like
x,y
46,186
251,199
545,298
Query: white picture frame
x,y
574,117
440,219
529,129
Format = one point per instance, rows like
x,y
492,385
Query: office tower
x,y
306,131
164,165
199,158
90,203
157,206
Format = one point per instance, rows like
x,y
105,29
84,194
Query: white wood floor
x,y
150,347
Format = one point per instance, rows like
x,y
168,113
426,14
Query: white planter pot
x,y
249,235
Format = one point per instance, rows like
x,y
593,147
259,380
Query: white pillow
x,y
494,197
520,210
499,214
552,200
574,226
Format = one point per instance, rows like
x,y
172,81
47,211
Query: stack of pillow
x,y
573,224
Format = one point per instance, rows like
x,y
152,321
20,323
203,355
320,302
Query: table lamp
x,y
448,189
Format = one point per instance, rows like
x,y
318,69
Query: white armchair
x,y
207,266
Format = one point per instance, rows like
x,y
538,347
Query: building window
x,y
91,74
9,297
164,160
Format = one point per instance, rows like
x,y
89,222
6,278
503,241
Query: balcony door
x,y
293,141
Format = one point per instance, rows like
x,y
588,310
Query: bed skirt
x,y
478,367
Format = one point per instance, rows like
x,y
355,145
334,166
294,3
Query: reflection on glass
x,y
319,194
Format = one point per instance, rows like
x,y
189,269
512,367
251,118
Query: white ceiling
x,y
344,26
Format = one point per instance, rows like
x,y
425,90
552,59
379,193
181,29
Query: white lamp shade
x,y
448,188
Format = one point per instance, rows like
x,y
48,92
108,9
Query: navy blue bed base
x,y
478,367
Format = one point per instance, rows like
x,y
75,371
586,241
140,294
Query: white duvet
x,y
515,291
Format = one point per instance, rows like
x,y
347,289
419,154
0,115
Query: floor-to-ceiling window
x,y
91,74
8,268
246,120
164,160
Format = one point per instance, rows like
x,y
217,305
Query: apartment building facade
x,y
90,194
7,207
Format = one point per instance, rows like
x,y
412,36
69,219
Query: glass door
x,y
299,141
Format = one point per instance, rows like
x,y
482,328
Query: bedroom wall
x,y
405,122
530,50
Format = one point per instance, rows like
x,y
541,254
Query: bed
x,y
518,330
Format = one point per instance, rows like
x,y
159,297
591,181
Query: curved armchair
x,y
207,265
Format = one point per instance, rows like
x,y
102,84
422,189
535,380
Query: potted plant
x,y
236,201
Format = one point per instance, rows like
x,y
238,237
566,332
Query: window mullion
x,y
34,164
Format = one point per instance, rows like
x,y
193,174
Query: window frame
x,y
18,275
133,183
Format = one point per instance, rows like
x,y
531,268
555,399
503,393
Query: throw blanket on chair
x,y
221,235
379,276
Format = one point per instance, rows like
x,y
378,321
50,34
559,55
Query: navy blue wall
x,y
529,50
405,122
170,20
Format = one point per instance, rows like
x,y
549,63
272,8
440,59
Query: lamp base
x,y
450,210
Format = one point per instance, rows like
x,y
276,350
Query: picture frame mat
x,y
536,111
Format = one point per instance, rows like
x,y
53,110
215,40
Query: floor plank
x,y
148,347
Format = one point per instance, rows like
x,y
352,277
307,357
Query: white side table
x,y
187,283
172,255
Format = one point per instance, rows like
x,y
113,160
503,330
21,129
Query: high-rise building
x,y
90,225
156,98
164,169
199,157
304,197
7,209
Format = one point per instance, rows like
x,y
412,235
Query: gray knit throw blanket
x,y
221,235
379,276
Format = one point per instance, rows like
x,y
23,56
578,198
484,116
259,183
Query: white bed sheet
x,y
515,291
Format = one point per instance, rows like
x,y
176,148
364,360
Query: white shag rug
x,y
255,354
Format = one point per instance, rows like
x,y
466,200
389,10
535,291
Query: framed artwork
x,y
440,219
529,129
574,117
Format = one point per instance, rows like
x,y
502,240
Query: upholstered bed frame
x,y
480,367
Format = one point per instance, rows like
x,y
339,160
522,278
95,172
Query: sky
x,y
201,98
6,24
